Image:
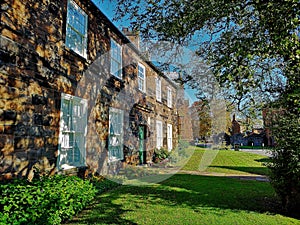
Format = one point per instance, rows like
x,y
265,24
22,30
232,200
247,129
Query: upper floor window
x,y
169,97
76,33
158,89
115,59
142,77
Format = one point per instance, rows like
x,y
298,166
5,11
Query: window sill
x,y
142,91
71,51
119,78
72,170
114,161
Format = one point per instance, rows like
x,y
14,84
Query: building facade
x,y
76,93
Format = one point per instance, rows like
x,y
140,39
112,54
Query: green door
x,y
141,143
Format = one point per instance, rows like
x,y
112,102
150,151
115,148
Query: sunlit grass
x,y
188,199
193,199
229,162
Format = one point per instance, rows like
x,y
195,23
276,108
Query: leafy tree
x,y
201,109
252,48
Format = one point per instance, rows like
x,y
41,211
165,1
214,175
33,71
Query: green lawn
x,y
227,161
193,199
187,199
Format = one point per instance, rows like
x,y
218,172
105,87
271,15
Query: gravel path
x,y
258,151
236,176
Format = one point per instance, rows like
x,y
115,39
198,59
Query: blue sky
x,y
107,7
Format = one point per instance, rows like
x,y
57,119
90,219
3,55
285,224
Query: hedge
x,y
48,200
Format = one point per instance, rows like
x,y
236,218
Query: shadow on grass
x,y
184,191
102,211
218,192
264,160
254,170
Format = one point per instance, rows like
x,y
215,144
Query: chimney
x,y
133,36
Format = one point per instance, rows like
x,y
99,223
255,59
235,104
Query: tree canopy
x,y
252,49
251,46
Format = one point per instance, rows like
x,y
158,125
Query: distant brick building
x,y
76,93
235,126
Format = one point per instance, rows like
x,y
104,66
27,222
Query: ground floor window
x,y
115,139
72,132
170,136
159,134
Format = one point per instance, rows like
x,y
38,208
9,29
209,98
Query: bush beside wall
x,y
48,200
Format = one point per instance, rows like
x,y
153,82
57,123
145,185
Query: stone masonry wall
x,y
36,67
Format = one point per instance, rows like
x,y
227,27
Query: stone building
x,y
76,93
185,129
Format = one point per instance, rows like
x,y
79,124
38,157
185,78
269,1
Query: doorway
x,y
142,145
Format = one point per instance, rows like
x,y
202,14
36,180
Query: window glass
x,y
116,59
159,134
115,139
73,123
169,97
158,89
141,77
76,34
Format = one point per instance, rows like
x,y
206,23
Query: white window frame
x,y
159,134
71,29
142,77
115,59
169,97
116,135
158,89
170,136
72,132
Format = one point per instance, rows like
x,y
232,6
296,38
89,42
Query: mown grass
x,y
228,162
193,199
187,199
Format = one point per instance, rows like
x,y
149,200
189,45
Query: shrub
x,y
160,154
285,163
48,200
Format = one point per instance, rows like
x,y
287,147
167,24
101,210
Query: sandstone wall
x,y
36,67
